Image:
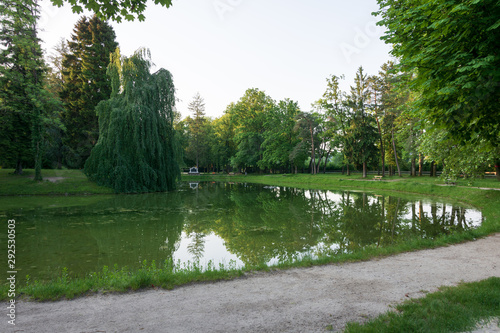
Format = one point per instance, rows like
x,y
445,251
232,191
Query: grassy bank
x,y
56,182
165,275
452,309
121,279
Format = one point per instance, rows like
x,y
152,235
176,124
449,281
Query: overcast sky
x,y
220,48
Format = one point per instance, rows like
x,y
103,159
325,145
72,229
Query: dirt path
x,y
297,300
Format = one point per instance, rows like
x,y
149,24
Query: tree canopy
x,y
453,48
136,147
112,10
85,84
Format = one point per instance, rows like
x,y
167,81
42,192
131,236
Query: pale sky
x,y
221,48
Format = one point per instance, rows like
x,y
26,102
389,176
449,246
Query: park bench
x,y
377,177
449,182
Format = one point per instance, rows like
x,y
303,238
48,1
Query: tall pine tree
x,y
136,151
85,85
21,91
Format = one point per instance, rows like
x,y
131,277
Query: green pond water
x,y
237,224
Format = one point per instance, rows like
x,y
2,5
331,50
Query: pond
x,y
231,223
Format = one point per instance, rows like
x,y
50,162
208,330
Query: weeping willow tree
x,y
136,147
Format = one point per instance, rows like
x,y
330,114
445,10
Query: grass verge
x,y
166,275
451,309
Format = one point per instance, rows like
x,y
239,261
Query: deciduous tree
x,y
249,115
112,10
452,46
361,135
136,148
279,136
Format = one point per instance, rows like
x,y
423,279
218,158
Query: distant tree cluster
x,y
346,131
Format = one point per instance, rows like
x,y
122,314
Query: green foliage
x,y
114,10
24,105
223,147
335,107
279,136
198,149
54,82
452,47
467,160
249,116
361,134
307,129
136,148
85,84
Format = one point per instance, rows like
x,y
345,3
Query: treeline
x,y
85,106
48,106
373,127
434,108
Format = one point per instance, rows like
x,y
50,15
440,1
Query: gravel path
x,y
296,300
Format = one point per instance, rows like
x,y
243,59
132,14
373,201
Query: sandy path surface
x,y
296,300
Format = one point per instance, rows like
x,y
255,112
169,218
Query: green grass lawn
x,y
66,182
451,309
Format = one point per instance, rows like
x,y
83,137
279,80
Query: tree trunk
x,y
413,167
382,150
395,152
326,160
432,168
364,169
19,167
313,161
497,170
38,163
420,164
348,170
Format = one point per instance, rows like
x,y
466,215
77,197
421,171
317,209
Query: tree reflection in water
x,y
255,224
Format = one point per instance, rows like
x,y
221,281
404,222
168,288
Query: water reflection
x,y
250,224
